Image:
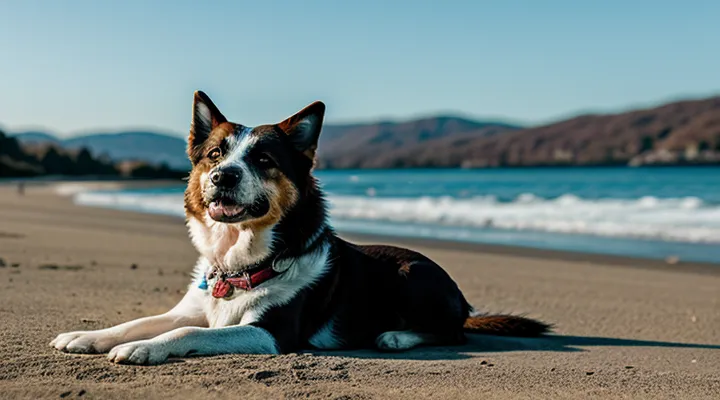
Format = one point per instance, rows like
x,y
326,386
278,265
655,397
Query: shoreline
x,y
67,189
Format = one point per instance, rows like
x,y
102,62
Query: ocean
x,y
639,212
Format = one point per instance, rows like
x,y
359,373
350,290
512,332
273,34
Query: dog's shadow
x,y
490,344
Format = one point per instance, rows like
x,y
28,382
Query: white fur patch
x,y
245,307
239,146
325,338
228,245
317,234
203,112
245,130
400,340
197,341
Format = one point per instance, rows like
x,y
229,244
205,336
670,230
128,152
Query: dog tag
x,y
222,289
203,283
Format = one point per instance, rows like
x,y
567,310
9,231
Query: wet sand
x,y
624,328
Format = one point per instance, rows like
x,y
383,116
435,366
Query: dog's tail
x,y
506,325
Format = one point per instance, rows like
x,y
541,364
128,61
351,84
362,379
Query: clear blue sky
x,y
75,66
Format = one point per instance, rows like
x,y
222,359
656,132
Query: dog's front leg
x,y
181,342
186,313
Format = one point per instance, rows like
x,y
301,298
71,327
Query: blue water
x,y
642,212
507,184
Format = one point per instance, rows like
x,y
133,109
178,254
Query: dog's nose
x,y
225,177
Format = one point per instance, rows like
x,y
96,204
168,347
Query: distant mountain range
x,y
152,147
679,133
358,143
45,156
400,144
684,132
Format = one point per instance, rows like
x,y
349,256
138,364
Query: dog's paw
x,y
398,340
142,352
84,342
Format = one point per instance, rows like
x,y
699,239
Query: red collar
x,y
259,273
245,281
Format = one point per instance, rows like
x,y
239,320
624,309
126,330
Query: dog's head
x,y
247,176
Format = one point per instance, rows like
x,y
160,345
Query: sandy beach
x,y
624,328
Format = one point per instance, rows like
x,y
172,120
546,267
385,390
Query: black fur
x,y
367,290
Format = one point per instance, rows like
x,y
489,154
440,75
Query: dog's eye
x,y
265,161
214,154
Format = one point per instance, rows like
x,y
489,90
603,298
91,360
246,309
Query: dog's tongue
x,y
218,209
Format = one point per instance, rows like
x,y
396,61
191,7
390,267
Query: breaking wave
x,y
155,203
686,219
681,219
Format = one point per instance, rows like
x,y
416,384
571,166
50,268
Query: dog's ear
x,y
205,118
303,128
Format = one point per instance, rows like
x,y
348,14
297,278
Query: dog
x,y
273,277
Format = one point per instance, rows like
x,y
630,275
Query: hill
x,y
35,137
678,133
684,132
152,147
398,144
346,145
46,157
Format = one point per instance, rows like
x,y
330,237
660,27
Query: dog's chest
x,y
240,309
229,245
248,306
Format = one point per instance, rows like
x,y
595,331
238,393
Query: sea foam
x,y
685,219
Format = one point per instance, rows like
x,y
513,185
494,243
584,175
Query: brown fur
x,y
285,196
194,204
404,268
505,325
